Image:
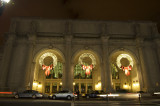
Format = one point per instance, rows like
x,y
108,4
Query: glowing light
x,y
46,55
87,68
102,95
136,84
39,86
98,86
74,83
7,1
60,83
156,93
87,55
47,68
124,56
113,95
128,68
35,84
125,86
6,92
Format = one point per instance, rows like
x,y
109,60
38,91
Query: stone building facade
x,y
51,55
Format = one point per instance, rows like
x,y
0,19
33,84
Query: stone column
x,y
6,60
80,87
29,76
51,85
157,41
140,77
147,83
157,52
105,64
64,77
86,88
68,81
16,77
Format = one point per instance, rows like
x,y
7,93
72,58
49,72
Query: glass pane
x,y
47,88
54,88
60,88
83,88
89,90
76,87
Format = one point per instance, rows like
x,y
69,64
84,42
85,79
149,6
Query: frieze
x,y
115,29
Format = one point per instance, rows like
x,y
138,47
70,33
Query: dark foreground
x,y
81,102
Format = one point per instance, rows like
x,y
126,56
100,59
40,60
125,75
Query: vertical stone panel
x,y
30,46
6,61
68,75
16,77
105,63
152,67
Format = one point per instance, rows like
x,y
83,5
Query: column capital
x,y
139,42
32,37
105,39
68,38
33,27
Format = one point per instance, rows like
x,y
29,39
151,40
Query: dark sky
x,y
116,10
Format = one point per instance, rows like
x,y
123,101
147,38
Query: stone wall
x,y
27,37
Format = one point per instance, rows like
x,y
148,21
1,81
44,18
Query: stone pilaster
x,y
16,75
68,75
6,60
147,83
29,76
106,72
157,48
140,77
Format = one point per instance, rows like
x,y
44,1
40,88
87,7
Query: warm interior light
x,y
40,86
125,86
60,83
74,83
98,86
35,84
136,84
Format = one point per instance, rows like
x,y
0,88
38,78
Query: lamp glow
x,y
98,86
7,1
74,83
35,84
60,83
136,84
125,86
39,86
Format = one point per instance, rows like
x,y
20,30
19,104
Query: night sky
x,y
116,10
